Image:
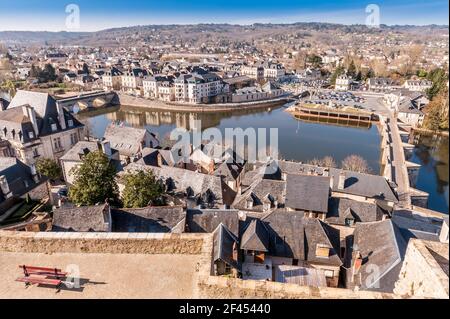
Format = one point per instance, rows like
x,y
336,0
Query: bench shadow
x,y
83,283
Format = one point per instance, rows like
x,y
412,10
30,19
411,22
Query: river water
x,y
299,139
431,152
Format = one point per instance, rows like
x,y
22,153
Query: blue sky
x,y
50,15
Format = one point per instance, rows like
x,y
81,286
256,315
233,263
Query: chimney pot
x,y
341,184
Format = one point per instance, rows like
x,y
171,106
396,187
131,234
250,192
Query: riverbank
x,y
128,100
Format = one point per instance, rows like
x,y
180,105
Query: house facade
x,y
36,126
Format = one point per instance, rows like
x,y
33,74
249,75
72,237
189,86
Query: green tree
x,y
94,180
49,73
338,71
48,168
437,112
315,60
439,79
352,69
9,87
368,74
141,189
85,68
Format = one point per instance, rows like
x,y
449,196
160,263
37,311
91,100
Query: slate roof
x,y
81,219
380,246
127,140
341,208
82,147
256,236
182,180
17,174
306,192
164,219
229,171
294,236
223,243
366,185
207,220
260,191
46,115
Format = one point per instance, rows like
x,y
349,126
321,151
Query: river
x,y
299,139
431,152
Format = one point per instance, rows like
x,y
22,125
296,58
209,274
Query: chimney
x,y
159,160
284,176
34,173
29,112
106,148
326,172
331,182
341,183
357,262
443,235
5,187
61,118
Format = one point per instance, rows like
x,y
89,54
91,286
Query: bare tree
x,y
329,161
355,163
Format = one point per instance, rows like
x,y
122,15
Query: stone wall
x,y
116,243
422,273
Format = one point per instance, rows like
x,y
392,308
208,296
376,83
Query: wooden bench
x,y
49,272
41,276
40,281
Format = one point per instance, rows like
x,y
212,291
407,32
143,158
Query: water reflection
x,y
431,152
299,139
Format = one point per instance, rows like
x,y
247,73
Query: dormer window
x,y
70,123
322,251
30,135
54,127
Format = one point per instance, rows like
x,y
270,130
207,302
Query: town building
x,y
343,83
112,79
132,81
35,125
418,85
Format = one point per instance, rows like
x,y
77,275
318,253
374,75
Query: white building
x,y
132,81
343,83
35,126
112,79
418,85
199,88
160,87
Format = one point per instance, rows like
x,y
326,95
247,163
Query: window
x,y
30,135
54,127
73,138
322,251
349,222
35,152
329,273
57,143
70,123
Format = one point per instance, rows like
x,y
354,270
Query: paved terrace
x,y
110,265
122,265
104,275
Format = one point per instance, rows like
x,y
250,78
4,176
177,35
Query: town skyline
x,y
51,16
